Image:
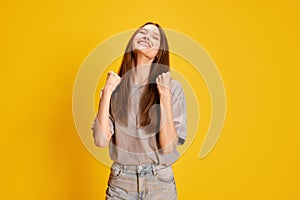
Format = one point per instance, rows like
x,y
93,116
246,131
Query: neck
x,y
143,60
140,73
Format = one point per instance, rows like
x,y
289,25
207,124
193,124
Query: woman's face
x,y
147,41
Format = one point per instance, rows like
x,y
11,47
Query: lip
x,y
148,43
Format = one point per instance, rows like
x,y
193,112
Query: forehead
x,y
151,28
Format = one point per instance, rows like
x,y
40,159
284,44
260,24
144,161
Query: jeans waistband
x,y
140,168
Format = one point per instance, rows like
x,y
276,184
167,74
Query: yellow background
x,y
255,45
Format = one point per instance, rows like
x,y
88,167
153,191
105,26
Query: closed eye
x,y
143,31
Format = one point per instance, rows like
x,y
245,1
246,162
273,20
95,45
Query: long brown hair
x,y
150,96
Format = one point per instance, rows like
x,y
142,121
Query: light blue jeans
x,y
141,182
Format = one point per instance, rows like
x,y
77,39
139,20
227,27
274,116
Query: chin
x,y
149,53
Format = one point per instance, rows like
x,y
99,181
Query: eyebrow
x,y
151,31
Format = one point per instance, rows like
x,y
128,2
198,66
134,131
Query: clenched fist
x,y
112,81
163,82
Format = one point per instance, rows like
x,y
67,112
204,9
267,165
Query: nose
x,y
146,36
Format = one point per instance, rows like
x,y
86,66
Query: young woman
x,y
142,116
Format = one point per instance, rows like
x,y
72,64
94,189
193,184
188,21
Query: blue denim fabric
x,y
141,182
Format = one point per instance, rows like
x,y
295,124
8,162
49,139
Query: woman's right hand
x,y
112,81
101,132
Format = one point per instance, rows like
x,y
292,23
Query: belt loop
x,y
153,169
124,168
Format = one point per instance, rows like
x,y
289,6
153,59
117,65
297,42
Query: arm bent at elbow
x,y
101,129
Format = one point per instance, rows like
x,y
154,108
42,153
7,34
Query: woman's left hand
x,y
163,82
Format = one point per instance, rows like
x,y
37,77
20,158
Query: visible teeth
x,y
144,44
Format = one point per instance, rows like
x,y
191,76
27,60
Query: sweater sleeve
x,y
179,111
95,125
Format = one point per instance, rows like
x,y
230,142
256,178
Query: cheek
x,y
134,41
156,44
133,45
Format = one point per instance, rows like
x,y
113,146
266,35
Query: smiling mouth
x,y
144,43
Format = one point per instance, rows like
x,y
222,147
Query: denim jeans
x,y
141,182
